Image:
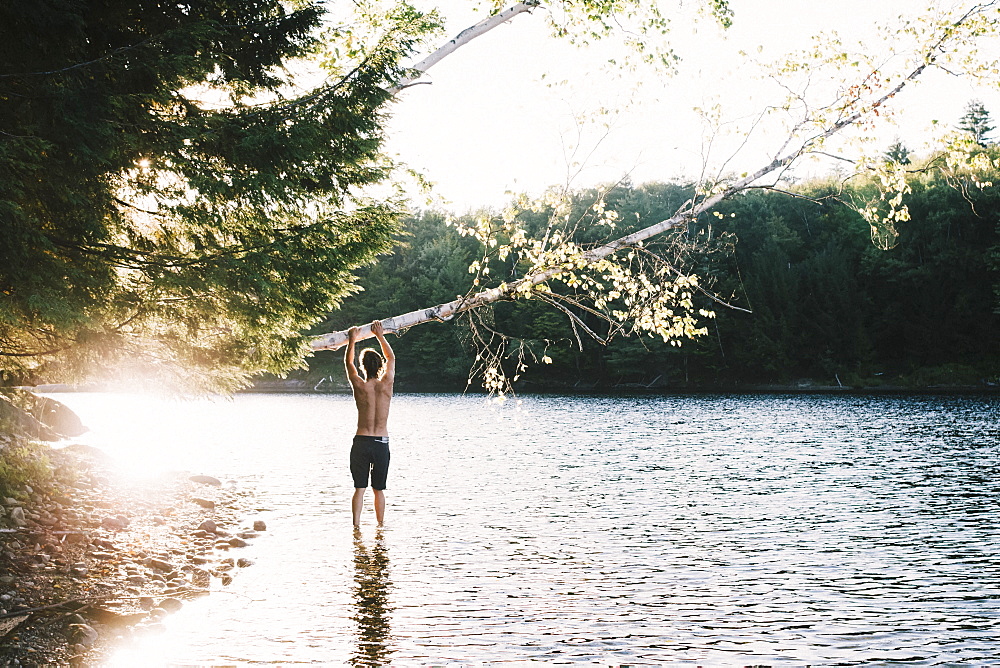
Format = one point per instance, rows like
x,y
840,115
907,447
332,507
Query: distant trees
x,y
826,304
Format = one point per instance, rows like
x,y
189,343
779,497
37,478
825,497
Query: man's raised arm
x,y
349,366
390,357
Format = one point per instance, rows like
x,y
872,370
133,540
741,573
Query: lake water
x,y
718,530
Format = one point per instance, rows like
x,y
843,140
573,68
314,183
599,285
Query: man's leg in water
x,y
379,505
357,503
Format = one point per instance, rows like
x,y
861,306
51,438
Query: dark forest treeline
x,y
827,304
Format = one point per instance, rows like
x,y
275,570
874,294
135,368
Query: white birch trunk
x,y
462,39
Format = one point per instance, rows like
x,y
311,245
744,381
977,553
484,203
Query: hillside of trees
x,y
827,307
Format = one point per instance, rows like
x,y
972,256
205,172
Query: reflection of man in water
x,y
372,394
371,600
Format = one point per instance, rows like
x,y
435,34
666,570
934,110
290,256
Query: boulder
x,y
24,423
57,416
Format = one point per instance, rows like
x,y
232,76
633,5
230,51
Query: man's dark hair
x,y
372,362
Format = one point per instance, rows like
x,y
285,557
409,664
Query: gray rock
x,y
84,634
146,602
171,604
200,577
79,570
205,480
259,525
208,525
136,580
156,614
17,516
204,503
102,543
159,564
114,523
238,542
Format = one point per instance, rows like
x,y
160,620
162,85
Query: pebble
x,y
171,605
205,479
259,525
238,542
204,503
159,564
114,523
84,634
156,614
208,525
17,516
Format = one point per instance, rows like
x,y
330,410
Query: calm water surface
x,y
714,530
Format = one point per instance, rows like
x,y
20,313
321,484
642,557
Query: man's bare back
x,y
372,398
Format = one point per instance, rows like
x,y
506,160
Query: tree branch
x,y
689,211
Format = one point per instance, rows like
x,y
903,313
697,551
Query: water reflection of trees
x,y
371,600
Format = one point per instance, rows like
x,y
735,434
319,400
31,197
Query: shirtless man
x,y
372,394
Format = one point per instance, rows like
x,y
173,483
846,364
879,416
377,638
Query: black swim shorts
x,y
370,454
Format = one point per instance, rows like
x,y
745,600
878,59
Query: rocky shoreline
x,y
90,558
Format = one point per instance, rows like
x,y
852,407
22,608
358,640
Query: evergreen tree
x,y
977,122
898,153
145,229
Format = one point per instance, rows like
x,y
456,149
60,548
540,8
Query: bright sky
x,y
490,121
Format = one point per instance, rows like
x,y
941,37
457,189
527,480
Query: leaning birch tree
x,y
634,289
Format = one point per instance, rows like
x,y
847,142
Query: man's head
x,y
372,363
